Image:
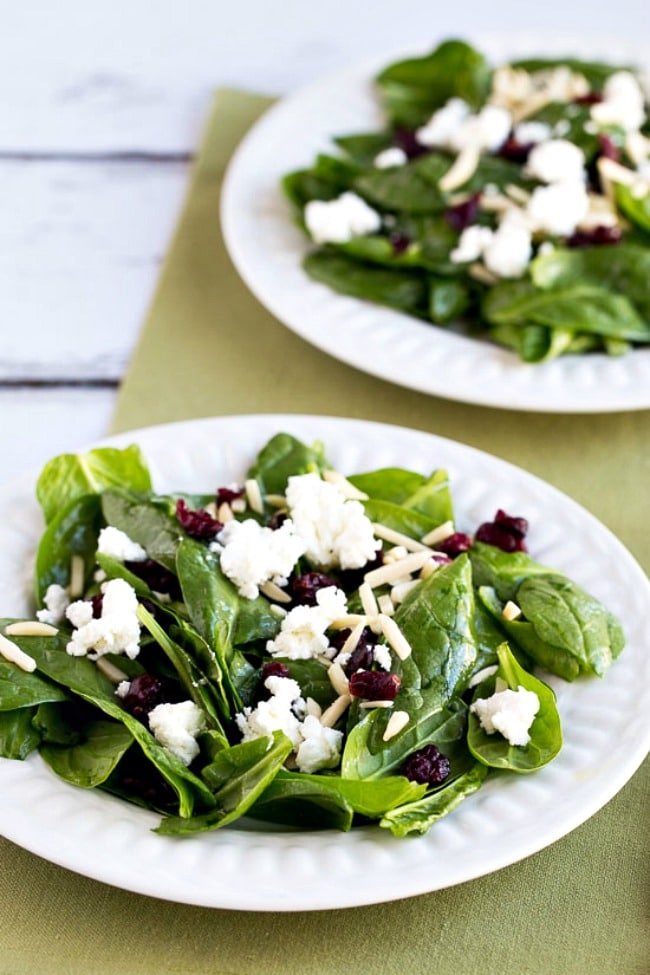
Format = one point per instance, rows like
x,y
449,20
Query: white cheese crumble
x,y
555,161
281,712
56,601
302,632
117,630
509,251
335,530
442,125
623,103
252,554
338,221
456,128
388,158
117,545
559,208
175,726
381,656
532,133
320,746
471,244
511,713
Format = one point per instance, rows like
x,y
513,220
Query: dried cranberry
x,y
515,151
304,588
505,532
197,524
144,693
362,656
97,602
407,141
454,545
277,519
399,242
592,98
595,237
351,579
227,495
428,766
274,668
375,685
608,147
157,577
463,214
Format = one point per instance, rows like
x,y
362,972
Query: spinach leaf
x,y
636,208
90,762
596,72
412,89
448,300
19,689
503,571
409,189
282,457
18,736
69,476
364,147
404,289
239,775
545,732
149,523
398,518
73,531
420,816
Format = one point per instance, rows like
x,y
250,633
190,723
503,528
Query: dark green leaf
x,y
73,531
89,763
420,816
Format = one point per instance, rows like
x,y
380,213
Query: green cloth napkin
x,y
580,906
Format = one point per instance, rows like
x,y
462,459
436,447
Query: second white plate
x,y
267,249
606,734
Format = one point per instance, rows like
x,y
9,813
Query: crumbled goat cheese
x,y
471,244
381,655
559,208
556,161
123,688
320,746
279,713
623,103
302,632
252,555
117,545
175,726
454,127
511,713
532,133
337,221
56,601
335,530
387,158
116,631
509,251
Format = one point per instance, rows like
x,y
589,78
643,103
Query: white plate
x,y
267,249
605,728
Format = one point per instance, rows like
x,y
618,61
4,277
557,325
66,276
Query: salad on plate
x,y
514,199
302,648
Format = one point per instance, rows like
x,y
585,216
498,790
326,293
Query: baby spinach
x,y
282,457
18,735
545,732
149,523
421,815
405,290
73,531
90,762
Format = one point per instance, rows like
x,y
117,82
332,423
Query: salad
x,y
514,199
303,648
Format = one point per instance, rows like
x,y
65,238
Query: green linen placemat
x,y
578,907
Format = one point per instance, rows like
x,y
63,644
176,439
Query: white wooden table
x,y
101,107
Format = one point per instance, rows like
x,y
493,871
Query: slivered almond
x,y
429,568
77,573
368,601
30,628
12,652
462,169
385,604
109,670
397,538
225,513
517,194
369,705
274,592
338,680
510,611
331,715
399,592
211,509
439,534
351,643
396,570
239,505
395,554
349,622
480,273
396,723
276,500
277,610
345,487
395,637
254,495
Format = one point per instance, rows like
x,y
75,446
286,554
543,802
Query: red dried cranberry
x,y
277,518
351,579
454,545
608,147
227,495
144,694
197,524
505,532
592,98
598,236
97,603
274,668
517,152
157,577
407,141
399,242
464,214
362,656
374,685
428,766
305,587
